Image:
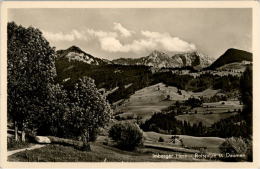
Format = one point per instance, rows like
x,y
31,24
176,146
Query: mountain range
x,y
160,59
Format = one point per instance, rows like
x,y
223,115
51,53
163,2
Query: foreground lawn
x,y
99,153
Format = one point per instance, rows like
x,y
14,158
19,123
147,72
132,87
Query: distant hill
x,y
74,53
231,56
160,59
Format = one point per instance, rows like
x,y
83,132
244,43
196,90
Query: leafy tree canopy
x,y
31,69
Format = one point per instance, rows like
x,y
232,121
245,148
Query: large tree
x,y
89,110
30,71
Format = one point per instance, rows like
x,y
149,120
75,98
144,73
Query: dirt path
x,y
23,149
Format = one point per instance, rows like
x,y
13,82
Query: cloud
x,y
115,41
168,42
101,34
60,36
153,35
111,44
124,32
148,41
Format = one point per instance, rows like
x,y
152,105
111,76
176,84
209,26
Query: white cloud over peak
x,y
148,41
124,32
111,44
168,42
115,41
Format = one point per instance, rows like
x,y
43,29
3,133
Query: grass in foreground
x,y
99,153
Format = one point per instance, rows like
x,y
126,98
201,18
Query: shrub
x,y
127,135
234,146
161,139
193,102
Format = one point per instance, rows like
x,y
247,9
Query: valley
x,y
177,108
137,90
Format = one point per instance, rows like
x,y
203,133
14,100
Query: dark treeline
x,y
111,76
203,82
107,77
166,123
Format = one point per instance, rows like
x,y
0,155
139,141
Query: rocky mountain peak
x,y
75,49
160,59
74,53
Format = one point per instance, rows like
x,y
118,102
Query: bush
x,y
160,139
193,102
234,146
127,135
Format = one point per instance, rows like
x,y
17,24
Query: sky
x,y
132,32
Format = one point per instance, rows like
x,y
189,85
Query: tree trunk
x,y
86,145
85,139
16,131
23,133
23,136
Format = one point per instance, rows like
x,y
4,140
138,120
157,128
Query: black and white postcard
x,y
102,84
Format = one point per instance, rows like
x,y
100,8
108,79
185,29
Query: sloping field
x,y
211,143
157,97
155,94
205,93
150,99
